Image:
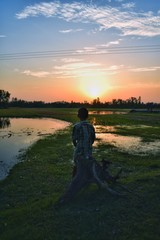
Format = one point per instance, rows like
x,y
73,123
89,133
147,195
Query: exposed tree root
x,y
89,172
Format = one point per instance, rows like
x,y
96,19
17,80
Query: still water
x,y
106,112
131,144
16,134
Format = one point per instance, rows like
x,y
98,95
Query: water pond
x,y
131,144
105,112
16,134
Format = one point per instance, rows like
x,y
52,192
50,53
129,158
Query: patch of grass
x,y
128,119
147,133
28,194
68,114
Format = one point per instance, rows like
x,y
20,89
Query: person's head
x,y
82,113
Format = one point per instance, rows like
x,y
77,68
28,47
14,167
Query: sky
x,y
80,50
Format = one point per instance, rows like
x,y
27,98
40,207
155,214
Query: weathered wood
x,y
87,172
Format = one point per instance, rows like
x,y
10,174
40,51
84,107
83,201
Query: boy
x,y
83,137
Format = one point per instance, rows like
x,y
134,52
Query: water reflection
x,y
4,122
20,134
132,145
105,112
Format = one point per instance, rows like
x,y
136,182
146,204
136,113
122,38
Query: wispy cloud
x,y
3,36
71,60
38,74
85,69
98,49
111,43
45,9
145,69
71,30
74,66
125,19
128,5
66,31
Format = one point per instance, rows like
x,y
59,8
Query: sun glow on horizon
x,y
94,87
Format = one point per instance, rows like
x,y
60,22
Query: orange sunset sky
x,y
80,50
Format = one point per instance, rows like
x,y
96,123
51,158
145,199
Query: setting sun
x,y
94,88
93,91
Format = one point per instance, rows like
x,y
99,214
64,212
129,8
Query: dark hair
x,y
83,113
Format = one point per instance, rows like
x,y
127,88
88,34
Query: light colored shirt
x,y
83,137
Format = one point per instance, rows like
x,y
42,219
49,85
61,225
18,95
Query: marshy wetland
x,y
130,140
16,134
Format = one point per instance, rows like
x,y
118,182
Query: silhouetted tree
x,y
150,106
96,102
131,102
4,122
4,98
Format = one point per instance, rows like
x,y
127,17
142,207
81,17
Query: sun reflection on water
x,y
130,144
17,134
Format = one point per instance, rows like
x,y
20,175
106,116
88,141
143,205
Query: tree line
x,y
132,103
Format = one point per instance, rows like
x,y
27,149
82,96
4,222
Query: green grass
x,y
28,194
60,113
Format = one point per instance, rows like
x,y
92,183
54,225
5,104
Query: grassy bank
x,y
28,194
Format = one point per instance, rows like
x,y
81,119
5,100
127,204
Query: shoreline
x,y
22,135
29,193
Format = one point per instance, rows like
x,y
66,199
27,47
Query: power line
x,y
82,52
89,49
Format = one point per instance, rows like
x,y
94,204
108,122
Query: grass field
x,y
28,194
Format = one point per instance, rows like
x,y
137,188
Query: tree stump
x,y
87,172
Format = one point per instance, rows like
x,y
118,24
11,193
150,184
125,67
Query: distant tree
x,y
150,106
4,122
114,101
14,99
131,102
96,102
139,100
4,98
120,102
